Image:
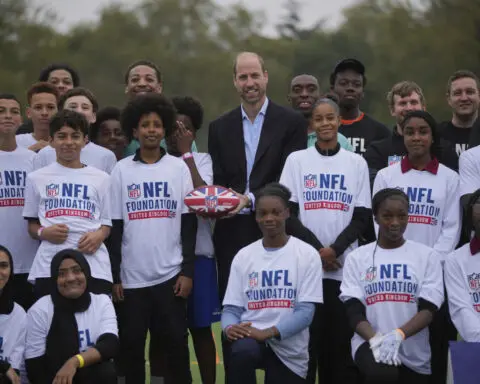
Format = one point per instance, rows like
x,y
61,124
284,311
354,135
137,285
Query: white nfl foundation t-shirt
x,y
92,154
390,287
149,200
97,320
14,167
25,140
75,197
469,169
462,279
13,329
434,212
327,189
268,284
204,244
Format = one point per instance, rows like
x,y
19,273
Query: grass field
x,y
194,364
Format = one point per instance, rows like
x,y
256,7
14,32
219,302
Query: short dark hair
x,y
42,87
79,91
385,194
462,74
71,119
260,60
472,200
190,107
275,189
45,72
147,63
9,96
104,114
144,104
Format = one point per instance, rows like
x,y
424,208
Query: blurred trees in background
x,y
194,42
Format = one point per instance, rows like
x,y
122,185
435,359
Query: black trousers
x,y
335,363
441,331
43,287
23,291
157,309
375,373
102,373
247,355
231,235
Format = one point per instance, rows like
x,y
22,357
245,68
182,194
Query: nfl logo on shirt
x,y
371,274
310,181
134,191
252,279
52,190
394,159
211,202
474,281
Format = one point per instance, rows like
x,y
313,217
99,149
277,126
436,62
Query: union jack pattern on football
x,y
211,199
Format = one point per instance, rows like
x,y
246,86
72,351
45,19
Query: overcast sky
x,y
73,11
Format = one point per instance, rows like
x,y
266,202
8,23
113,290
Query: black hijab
x,y
6,294
62,338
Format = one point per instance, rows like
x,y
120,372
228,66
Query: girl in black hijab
x,y
13,323
72,334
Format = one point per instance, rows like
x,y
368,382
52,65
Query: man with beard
x,y
249,146
464,98
143,76
404,97
348,81
304,93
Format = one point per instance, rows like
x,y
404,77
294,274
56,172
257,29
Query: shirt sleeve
x,y
464,317
469,175
289,176
364,198
108,320
37,331
32,199
116,204
379,184
452,222
187,187
205,168
350,287
110,161
234,294
16,357
432,285
310,278
105,203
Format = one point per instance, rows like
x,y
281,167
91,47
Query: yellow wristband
x,y
81,360
401,333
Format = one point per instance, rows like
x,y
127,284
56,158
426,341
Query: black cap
x,y
352,64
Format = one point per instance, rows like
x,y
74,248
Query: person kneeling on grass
x,y
71,334
271,333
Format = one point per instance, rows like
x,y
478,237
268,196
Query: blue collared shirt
x,y
251,136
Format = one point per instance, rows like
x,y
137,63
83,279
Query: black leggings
x,y
378,373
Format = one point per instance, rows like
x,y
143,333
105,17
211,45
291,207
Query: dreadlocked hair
x,y
385,194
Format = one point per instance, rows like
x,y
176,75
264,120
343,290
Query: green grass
x,y
194,365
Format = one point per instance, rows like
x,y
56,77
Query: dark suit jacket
x,y
284,131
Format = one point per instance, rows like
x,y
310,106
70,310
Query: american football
x,y
212,200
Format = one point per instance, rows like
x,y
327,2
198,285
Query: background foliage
x,y
194,42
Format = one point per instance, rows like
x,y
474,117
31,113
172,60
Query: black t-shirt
x,y
363,131
458,137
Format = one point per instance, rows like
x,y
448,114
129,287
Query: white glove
x,y
390,346
375,343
